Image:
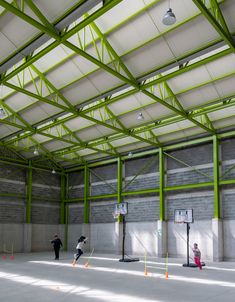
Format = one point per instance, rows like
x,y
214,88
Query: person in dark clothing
x,y
56,244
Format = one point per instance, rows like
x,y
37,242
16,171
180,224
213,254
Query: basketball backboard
x,y
183,215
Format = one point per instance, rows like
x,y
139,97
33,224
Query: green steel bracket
x,y
187,165
226,172
103,180
120,179
215,17
141,170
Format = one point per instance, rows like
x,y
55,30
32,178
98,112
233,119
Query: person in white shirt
x,y
81,241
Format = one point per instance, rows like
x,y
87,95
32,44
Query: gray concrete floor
x,y
37,277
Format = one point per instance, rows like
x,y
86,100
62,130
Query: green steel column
x,y
62,197
161,184
86,194
119,175
216,177
29,193
66,228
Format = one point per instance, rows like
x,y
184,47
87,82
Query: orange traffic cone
x,y
166,274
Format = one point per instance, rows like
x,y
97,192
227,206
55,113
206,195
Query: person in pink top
x,y
197,255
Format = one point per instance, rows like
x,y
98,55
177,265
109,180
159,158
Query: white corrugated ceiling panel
x,y
227,112
18,101
40,138
148,57
124,141
222,66
131,120
224,123
131,102
172,128
132,35
91,133
121,12
53,9
70,71
40,112
189,79
197,97
55,145
225,87
132,147
52,58
191,36
180,135
78,123
6,130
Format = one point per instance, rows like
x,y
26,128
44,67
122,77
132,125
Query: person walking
x,y
197,255
57,243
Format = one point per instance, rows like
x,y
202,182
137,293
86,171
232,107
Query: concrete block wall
x,y
76,185
45,208
75,213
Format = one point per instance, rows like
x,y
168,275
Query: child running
x,y
81,241
197,255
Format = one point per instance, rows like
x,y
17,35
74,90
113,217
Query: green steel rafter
x,y
47,153
215,17
74,30
64,41
85,145
184,114
111,50
218,55
40,98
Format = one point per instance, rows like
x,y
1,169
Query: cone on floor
x,y
166,274
145,272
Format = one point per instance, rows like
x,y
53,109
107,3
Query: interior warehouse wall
x,y
192,165
44,212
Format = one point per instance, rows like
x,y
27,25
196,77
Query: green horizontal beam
x,y
189,186
139,192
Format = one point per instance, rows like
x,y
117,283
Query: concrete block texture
x,y
196,155
107,172
101,212
75,213
12,210
202,204
142,166
45,213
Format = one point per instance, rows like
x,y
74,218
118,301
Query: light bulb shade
x,y
169,17
140,116
35,152
53,171
130,154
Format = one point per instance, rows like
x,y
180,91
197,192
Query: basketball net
x,y
116,215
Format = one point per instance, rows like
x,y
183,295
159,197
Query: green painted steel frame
x,y
29,193
86,194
